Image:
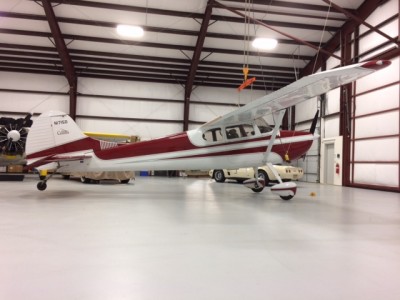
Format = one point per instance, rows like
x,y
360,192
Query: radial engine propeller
x,y
13,135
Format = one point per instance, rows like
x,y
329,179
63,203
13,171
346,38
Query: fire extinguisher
x,y
337,168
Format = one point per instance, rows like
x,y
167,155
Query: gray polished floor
x,y
184,238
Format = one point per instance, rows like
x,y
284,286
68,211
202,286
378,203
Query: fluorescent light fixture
x,y
264,43
130,31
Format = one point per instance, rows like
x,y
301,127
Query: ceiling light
x,y
264,43
130,31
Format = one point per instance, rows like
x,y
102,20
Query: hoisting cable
x,y
246,45
322,36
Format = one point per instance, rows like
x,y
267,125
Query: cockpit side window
x,y
232,132
213,135
263,125
247,130
239,131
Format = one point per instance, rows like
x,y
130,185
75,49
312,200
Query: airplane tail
x,y
50,133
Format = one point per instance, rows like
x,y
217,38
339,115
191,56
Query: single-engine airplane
x,y
238,139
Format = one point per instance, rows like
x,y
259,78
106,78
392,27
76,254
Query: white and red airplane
x,y
238,139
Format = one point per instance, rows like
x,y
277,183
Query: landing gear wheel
x,y
263,175
286,197
41,186
219,176
258,189
85,180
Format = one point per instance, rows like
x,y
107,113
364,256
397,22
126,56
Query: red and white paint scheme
x,y
238,139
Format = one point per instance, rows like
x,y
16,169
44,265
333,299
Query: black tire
x,y
41,186
124,181
258,189
263,175
219,176
240,180
66,176
286,197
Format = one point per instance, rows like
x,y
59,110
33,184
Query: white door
x,y
329,163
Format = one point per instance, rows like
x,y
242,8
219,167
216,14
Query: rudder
x,y
52,129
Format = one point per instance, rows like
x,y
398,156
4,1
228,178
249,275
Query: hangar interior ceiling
x,y
191,43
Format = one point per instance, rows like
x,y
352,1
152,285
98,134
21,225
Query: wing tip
x,y
376,64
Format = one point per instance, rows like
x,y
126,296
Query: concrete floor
x,y
183,238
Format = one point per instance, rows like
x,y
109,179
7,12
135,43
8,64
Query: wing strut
x,y
257,184
273,136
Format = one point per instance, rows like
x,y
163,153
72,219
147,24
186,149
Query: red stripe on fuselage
x,y
181,142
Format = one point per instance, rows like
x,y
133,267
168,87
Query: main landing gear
x,y
257,183
285,190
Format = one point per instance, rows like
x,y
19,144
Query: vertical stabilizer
x,y
52,129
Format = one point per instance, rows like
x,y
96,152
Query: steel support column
x,y
346,95
64,55
195,63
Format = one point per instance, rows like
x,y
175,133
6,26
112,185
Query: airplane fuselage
x,y
183,151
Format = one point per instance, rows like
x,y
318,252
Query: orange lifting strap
x,y
246,83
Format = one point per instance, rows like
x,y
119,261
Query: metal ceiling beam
x,y
90,55
270,11
365,9
361,21
276,30
293,5
107,63
202,82
163,29
64,55
154,45
149,10
195,62
182,14
124,70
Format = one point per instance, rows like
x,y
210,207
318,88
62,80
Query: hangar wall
x,y
23,92
374,136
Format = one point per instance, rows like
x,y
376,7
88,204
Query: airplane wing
x,y
298,91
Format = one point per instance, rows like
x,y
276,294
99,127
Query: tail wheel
x,y
41,186
219,176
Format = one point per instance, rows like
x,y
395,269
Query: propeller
x,y
13,135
